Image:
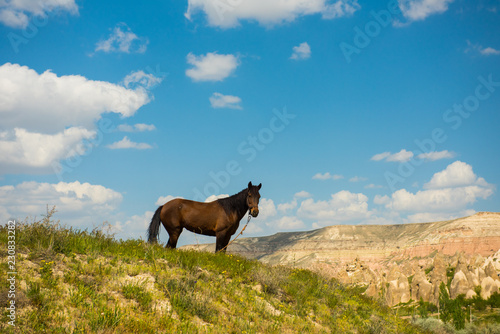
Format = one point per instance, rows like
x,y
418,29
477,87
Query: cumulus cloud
x,y
301,52
454,175
342,206
227,14
133,226
218,100
140,78
327,176
45,117
428,217
401,156
418,10
51,97
164,199
267,209
488,51
139,127
16,14
484,51
211,67
127,143
21,148
450,190
436,155
302,194
287,206
122,39
212,198
79,203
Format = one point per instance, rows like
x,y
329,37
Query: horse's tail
x,y
154,227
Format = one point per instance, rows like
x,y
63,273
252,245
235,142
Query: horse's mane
x,y
237,203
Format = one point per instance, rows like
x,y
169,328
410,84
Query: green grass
x,y
82,282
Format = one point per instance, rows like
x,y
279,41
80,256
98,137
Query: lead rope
x,y
241,232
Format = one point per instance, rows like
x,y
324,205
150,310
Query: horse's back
x,y
197,217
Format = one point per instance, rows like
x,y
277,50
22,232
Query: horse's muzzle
x,y
254,212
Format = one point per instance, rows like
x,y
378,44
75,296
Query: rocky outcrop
x,y
397,263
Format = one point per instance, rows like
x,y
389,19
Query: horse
x,y
220,218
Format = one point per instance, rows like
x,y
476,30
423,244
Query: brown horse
x,y
220,218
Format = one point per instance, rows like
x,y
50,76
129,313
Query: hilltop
x,y
72,281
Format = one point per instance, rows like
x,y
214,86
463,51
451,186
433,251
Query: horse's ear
x,y
249,184
259,186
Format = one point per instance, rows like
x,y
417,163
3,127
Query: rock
x,y
489,286
438,273
398,291
459,285
421,288
470,294
490,271
473,277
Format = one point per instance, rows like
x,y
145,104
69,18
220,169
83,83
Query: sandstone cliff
x,y
395,262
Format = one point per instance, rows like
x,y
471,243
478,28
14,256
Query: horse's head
x,y
253,197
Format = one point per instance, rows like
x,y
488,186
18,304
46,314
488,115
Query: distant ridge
x,y
476,234
398,263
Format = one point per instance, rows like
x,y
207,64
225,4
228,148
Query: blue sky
x,y
348,112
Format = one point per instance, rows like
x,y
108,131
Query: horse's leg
x,y
173,233
221,241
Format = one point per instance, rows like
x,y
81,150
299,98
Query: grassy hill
x,y
71,281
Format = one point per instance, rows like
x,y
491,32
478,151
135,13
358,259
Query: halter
x,y
241,232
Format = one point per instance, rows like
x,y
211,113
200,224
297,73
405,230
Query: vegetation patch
x,y
76,281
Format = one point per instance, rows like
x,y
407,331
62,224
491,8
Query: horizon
x,y
347,112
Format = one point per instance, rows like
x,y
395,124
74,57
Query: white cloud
x,y
428,217
122,39
381,200
164,199
16,14
380,156
127,143
284,207
456,174
319,176
302,194
488,51
139,127
436,155
267,209
476,48
137,224
287,206
212,198
437,200
301,52
327,176
41,102
401,156
417,10
218,100
46,118
80,204
140,78
341,207
227,14
450,190
21,148
211,67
